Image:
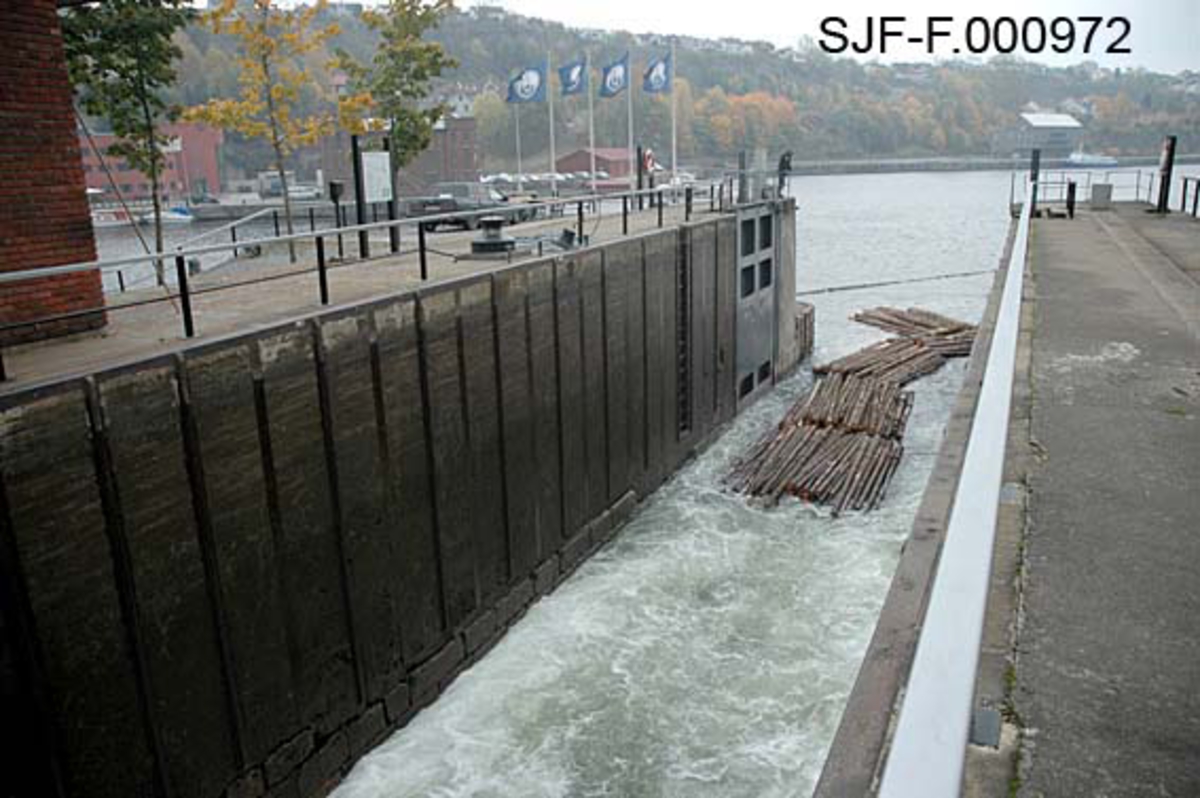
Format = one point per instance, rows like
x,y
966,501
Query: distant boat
x,y
109,217
1089,159
177,215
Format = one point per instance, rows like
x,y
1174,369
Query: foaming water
x,y
708,650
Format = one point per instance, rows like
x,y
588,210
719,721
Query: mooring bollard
x,y
625,215
421,250
185,297
579,221
322,277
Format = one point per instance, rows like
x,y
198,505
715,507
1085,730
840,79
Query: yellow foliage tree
x,y
272,43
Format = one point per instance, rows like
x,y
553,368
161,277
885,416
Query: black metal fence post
x,y
625,215
659,202
579,221
185,296
687,204
233,238
339,221
275,219
121,280
312,219
1195,196
322,276
421,250
1071,199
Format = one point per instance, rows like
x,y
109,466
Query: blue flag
x,y
657,79
615,77
573,77
529,86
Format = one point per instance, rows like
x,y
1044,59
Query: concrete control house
x,y
1056,135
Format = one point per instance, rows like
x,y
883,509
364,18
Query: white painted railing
x,y
927,752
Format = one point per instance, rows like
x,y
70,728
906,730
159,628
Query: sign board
x,y
377,178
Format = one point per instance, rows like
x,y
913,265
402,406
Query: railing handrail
x,y
926,757
225,227
410,221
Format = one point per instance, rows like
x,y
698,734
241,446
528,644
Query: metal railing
x,y
1136,186
1194,182
926,758
178,289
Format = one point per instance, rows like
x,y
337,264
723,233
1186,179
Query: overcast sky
x,y
1164,34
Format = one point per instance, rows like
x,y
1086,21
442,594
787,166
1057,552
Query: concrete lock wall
x,y
234,569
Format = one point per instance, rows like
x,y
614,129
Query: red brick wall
x,y
44,217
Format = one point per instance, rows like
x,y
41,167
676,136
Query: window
x,y
745,386
747,281
747,237
764,274
764,232
764,372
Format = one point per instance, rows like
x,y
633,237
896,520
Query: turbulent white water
x,y
708,650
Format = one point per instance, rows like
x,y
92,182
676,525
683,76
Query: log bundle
x,y
840,444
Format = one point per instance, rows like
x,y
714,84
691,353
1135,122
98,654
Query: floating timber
x,y
840,444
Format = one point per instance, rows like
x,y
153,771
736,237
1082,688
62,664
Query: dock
x,y
1104,683
251,291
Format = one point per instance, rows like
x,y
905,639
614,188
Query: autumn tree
x,y
271,43
392,86
122,60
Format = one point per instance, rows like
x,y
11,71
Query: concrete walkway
x,y
233,298
1108,673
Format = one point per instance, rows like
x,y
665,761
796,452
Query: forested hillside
x,y
735,95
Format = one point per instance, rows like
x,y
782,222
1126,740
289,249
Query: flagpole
x,y
629,100
587,62
550,100
517,117
674,140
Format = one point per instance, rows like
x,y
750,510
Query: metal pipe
x,y
185,298
360,209
421,250
322,276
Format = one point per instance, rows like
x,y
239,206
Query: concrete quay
x,y
250,292
1091,646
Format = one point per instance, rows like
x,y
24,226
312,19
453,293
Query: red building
x,y
192,166
44,215
614,160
